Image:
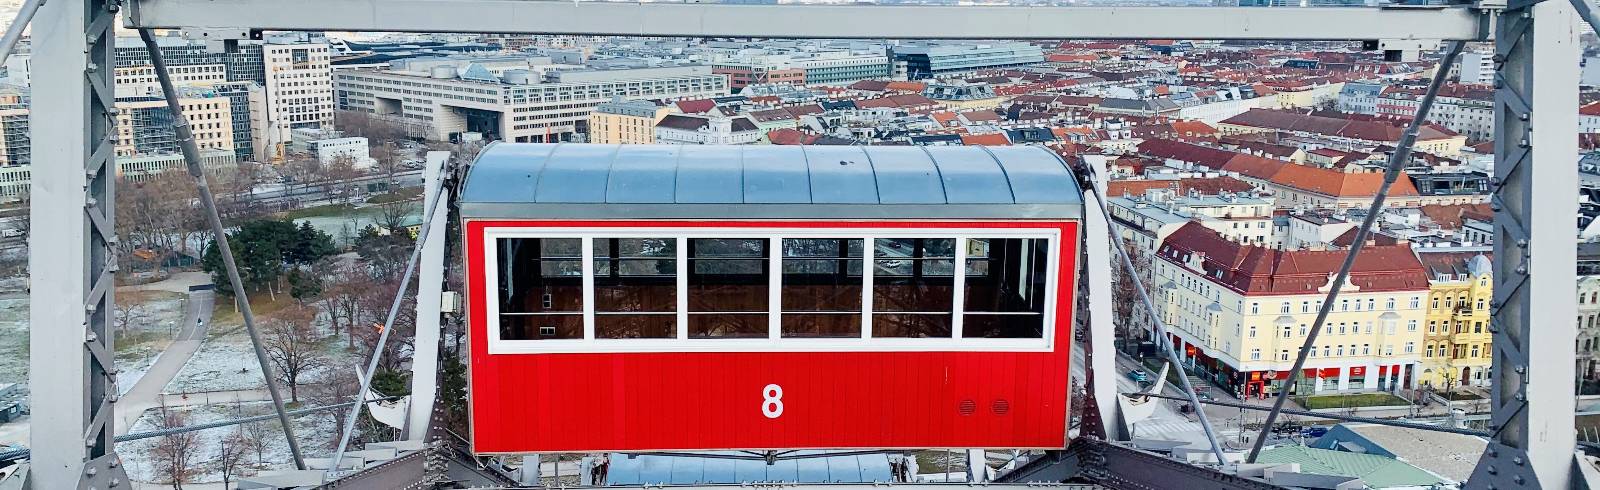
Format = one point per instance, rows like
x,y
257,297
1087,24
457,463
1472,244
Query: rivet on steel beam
x,y
1524,143
93,67
1521,369
1522,116
90,471
1517,479
1522,397
1522,243
1522,268
89,442
113,7
1491,470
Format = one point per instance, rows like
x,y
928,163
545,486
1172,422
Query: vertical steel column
x,y
1098,238
1536,172
71,254
430,290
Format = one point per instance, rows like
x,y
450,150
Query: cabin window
x,y
541,288
913,287
1005,288
767,289
728,285
635,288
822,285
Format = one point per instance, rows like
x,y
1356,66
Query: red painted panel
x,y
590,402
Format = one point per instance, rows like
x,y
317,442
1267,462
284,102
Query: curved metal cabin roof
x,y
590,181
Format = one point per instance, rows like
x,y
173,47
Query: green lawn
x,y
406,194
1461,396
1346,401
318,211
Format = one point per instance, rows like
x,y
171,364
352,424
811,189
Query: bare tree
x,y
305,171
334,386
342,298
231,452
1126,297
129,313
392,216
255,437
294,347
175,455
337,174
387,159
378,299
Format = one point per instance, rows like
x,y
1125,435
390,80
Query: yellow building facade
x,y
621,122
1238,314
1456,344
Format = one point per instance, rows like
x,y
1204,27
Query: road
x,y
277,193
146,393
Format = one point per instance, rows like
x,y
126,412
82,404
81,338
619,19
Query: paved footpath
x,y
146,393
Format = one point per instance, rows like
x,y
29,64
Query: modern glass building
x,y
942,59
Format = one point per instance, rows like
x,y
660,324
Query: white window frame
x,y
773,342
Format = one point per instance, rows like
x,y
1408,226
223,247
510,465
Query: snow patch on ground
x,y
221,364
162,315
316,433
13,339
226,361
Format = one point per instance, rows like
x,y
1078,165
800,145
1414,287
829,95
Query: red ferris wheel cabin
x,y
658,297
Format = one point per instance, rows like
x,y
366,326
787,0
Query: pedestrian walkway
x,y
146,392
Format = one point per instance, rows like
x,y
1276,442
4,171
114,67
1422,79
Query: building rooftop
x,y
1260,270
1375,471
519,180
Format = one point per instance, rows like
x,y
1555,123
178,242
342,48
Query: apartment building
x,y
1346,134
458,97
1588,340
683,129
16,141
1456,348
1239,313
297,91
628,122
145,126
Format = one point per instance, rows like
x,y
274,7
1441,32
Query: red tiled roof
x,y
1193,128
1257,270
789,136
1205,185
1450,216
1348,127
1185,152
697,106
801,110
991,139
980,116
870,85
1253,166
915,87
1339,184
1374,238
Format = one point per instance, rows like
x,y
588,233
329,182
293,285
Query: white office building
x,y
530,104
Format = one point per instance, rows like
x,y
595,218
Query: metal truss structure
x,y
1535,114
71,299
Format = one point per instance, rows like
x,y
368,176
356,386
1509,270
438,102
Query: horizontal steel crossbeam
x,y
813,21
